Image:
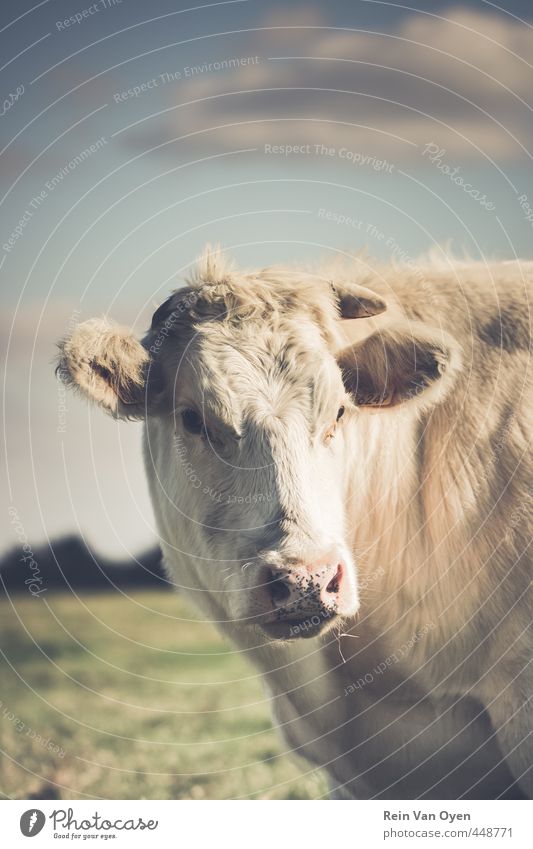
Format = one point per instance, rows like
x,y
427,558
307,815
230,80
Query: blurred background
x,y
132,134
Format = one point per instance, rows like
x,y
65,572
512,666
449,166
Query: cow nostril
x,y
279,591
335,583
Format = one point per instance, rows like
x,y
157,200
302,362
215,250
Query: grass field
x,y
114,697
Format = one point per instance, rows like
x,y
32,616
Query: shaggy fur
x,y
106,364
423,489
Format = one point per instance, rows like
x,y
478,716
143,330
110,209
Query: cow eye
x,y
192,422
340,413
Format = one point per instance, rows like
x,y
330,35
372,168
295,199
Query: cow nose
x,y
302,589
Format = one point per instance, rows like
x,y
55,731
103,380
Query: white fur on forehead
x,y
212,266
258,371
229,295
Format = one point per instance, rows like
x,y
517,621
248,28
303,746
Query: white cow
x,y
366,484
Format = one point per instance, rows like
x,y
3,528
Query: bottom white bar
x,y
267,824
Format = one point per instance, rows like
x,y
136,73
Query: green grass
x,y
145,700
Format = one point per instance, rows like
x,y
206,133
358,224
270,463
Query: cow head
x,y
250,407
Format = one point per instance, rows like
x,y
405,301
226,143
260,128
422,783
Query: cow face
x,y
249,409
257,435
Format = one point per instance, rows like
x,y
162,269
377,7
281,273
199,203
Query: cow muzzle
x,y
304,599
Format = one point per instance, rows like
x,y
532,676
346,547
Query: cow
x,y
339,463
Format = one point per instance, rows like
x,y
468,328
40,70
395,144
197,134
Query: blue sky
x,y
255,124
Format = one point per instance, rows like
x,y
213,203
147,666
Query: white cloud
x,y
457,80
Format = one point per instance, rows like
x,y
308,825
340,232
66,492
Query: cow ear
x,y
415,364
111,368
357,301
